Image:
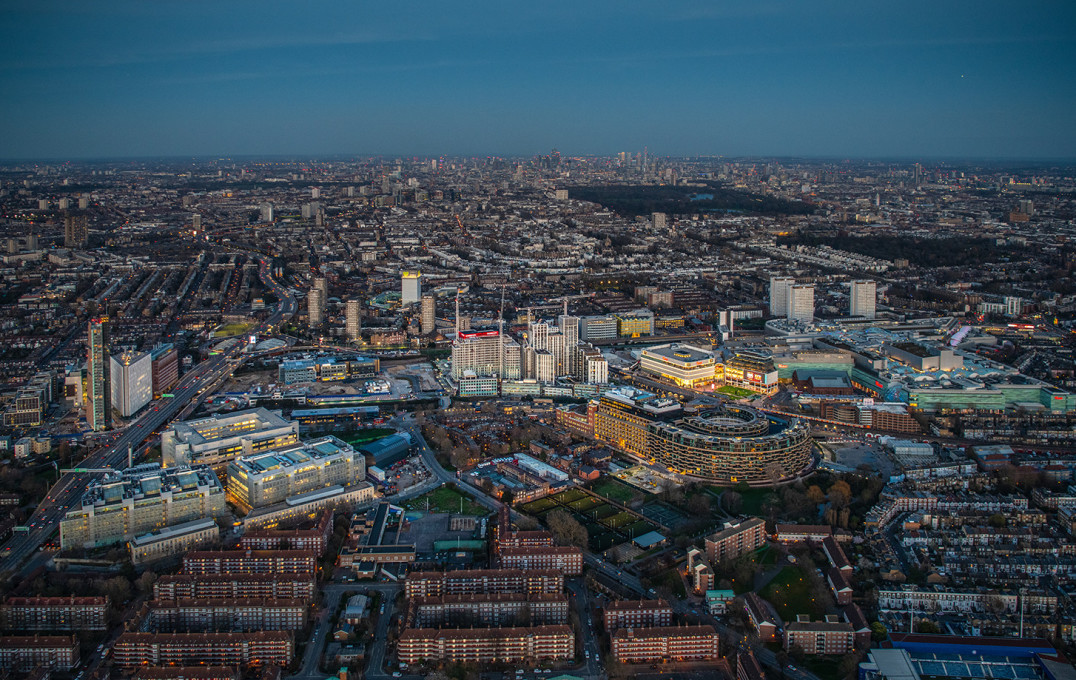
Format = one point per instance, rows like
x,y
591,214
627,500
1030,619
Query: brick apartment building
x,y
22,653
54,613
472,581
486,645
829,636
646,645
237,615
188,673
565,559
488,610
250,562
762,617
524,539
637,614
315,540
215,586
736,539
212,649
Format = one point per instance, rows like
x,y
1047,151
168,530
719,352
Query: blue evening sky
x,y
784,77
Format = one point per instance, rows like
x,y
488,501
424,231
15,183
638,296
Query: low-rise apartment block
x,y
486,645
315,539
237,615
830,636
170,542
21,653
187,673
488,610
646,645
637,614
736,539
301,562
264,648
566,559
473,581
54,613
225,586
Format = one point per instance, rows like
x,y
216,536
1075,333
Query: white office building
x,y
801,303
274,476
861,299
410,287
779,286
219,438
132,382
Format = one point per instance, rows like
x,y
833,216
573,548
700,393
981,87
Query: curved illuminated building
x,y
724,444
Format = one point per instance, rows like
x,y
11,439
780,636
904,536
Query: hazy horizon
x,y
828,80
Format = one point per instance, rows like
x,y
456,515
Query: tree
x,y
878,631
146,581
840,494
815,494
998,520
699,505
925,626
567,529
732,501
118,588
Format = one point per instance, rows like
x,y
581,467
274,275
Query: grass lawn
x,y
613,490
752,498
671,579
444,499
230,329
790,594
736,392
364,436
825,667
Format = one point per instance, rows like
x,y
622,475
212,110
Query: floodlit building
x,y
486,354
411,287
98,388
217,439
132,382
485,645
685,365
271,477
122,505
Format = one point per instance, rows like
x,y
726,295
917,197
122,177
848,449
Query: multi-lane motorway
x,y
67,492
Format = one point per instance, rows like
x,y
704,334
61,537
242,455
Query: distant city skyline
x,y
832,80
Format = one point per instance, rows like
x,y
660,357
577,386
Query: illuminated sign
x,y
464,335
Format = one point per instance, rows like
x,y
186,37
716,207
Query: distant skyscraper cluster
x,y
549,351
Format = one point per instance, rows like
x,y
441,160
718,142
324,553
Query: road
x,y
68,490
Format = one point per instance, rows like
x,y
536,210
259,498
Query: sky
x,y
866,79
